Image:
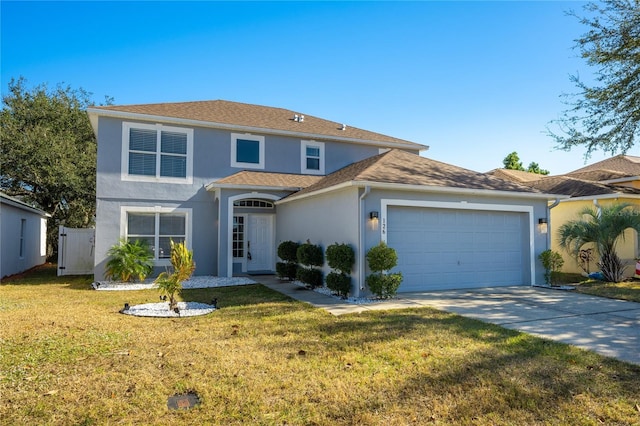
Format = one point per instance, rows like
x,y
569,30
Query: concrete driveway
x,y
608,327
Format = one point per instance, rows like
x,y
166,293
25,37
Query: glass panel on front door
x,y
238,236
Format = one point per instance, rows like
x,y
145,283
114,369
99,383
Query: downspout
x,y
555,203
361,231
598,207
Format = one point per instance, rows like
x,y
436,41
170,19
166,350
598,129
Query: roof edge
x,y
213,186
602,197
96,112
427,188
22,205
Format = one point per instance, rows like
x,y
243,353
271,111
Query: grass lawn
x,y
627,290
67,357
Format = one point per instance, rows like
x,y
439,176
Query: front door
x,y
260,243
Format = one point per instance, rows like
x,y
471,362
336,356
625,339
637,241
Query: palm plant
x,y
602,228
129,259
170,284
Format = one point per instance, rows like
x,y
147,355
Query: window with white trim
x,y
157,228
312,157
154,152
247,151
23,231
253,203
238,236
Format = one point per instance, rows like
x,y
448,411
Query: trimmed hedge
x,y
310,255
382,258
287,251
287,270
312,277
339,283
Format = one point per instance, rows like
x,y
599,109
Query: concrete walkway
x,y
608,327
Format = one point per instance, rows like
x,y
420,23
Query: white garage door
x,y
442,249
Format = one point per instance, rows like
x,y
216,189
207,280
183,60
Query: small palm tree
x,y
170,284
128,260
602,228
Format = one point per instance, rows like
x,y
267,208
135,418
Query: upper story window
x,y
157,153
247,151
312,157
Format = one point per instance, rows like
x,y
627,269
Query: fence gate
x,y
75,251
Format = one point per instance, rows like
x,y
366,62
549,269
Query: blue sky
x,y
473,80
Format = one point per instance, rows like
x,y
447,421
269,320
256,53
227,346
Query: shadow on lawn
x,y
46,274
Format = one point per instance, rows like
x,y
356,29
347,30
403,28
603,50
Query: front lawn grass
x,y
68,357
626,290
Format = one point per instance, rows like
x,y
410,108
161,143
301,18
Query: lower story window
x,y
157,230
238,236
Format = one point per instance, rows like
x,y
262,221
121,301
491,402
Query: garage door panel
x,y
446,249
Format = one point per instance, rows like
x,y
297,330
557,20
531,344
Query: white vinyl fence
x,y
75,251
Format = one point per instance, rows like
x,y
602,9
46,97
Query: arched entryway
x,y
252,233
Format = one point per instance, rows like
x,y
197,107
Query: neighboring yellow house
x,y
615,180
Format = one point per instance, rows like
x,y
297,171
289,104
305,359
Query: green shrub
x,y
288,251
339,283
382,258
129,259
552,262
170,284
384,286
312,277
287,270
310,255
341,257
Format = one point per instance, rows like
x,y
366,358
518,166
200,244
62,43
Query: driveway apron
x,y
606,326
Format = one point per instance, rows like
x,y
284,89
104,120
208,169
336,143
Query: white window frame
x,y
242,260
303,157
23,238
126,131
234,146
124,232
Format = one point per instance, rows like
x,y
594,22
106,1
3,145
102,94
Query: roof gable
x,y
622,165
404,168
578,187
515,175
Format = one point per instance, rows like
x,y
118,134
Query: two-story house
x,y
234,180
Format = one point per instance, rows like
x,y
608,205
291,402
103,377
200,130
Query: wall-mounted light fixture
x,y
543,225
373,215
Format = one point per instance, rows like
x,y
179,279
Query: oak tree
x,y
605,115
48,153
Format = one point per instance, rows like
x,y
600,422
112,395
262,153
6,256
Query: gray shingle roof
x,y
627,165
404,168
267,179
578,187
253,116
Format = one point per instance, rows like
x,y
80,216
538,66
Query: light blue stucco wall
x,y
34,231
324,220
211,161
333,217
373,203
